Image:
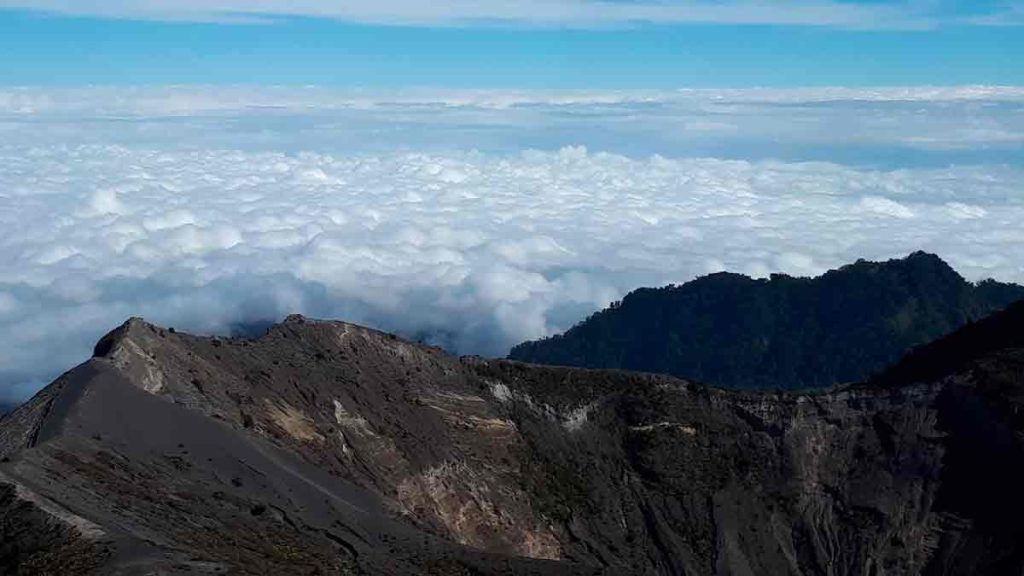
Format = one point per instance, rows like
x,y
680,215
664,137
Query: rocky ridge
x,y
328,448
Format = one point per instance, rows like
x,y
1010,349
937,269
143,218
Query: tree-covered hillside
x,y
783,332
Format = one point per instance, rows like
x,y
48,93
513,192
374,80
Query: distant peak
x,y
931,262
919,260
926,257
295,319
917,257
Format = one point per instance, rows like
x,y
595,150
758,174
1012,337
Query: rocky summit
x,y
327,448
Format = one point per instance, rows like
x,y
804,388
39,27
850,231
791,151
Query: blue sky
x,y
494,43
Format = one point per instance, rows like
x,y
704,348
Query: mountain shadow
x,y
778,333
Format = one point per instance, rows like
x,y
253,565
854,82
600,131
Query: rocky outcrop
x,y
324,447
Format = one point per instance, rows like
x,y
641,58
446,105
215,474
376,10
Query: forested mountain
x,y
782,332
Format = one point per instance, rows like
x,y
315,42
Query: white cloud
x,y
888,126
905,14
204,100
584,13
474,245
963,211
390,241
885,207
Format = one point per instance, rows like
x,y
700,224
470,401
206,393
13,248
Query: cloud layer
x,y
878,127
584,13
474,243
191,100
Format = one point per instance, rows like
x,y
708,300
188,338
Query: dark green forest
x,y
779,333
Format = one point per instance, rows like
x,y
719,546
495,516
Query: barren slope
x,y
327,448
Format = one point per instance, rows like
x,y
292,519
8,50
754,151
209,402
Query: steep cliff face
x,y
328,448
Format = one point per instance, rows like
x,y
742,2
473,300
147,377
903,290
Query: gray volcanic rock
x,y
327,448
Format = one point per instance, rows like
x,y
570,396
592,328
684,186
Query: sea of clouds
x,y
473,220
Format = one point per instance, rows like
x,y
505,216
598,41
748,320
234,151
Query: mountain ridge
x,y
782,332
325,447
